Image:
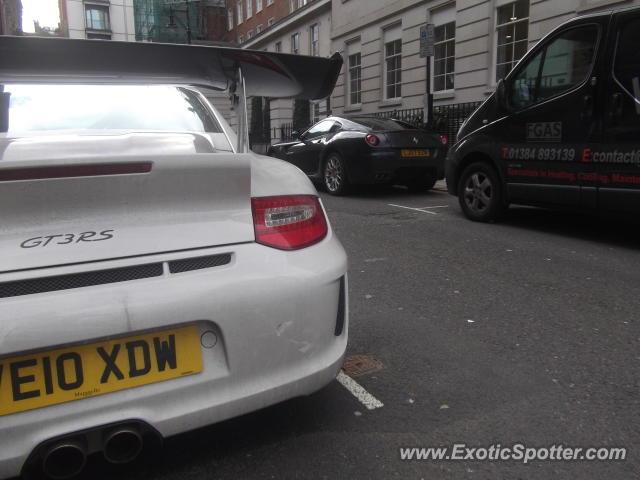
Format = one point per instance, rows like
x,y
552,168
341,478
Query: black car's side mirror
x,y
296,134
501,95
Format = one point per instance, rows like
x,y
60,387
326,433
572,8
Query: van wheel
x,y
334,175
480,193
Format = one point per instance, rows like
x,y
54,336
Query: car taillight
x,y
288,222
372,140
444,139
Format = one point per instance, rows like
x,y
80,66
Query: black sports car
x,y
341,151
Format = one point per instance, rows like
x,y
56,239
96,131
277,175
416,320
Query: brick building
x,y
247,19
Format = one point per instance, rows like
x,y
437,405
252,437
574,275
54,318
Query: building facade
x,y
98,19
477,42
302,27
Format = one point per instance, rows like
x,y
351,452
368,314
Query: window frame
x,y
259,6
314,43
239,11
497,45
445,43
230,19
541,48
350,79
397,86
295,44
249,9
89,7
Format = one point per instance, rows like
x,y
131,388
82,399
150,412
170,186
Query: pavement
x,y
525,331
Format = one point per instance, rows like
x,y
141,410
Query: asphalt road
x,y
525,331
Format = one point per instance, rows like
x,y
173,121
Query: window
x,y
240,39
97,17
269,2
295,43
559,66
315,40
259,28
278,47
258,6
295,4
229,19
107,107
512,33
315,112
355,76
627,61
239,9
320,129
444,57
249,8
249,34
392,63
271,21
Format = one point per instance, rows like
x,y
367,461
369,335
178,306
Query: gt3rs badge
x,y
544,132
68,238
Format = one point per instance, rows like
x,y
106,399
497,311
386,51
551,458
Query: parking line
x,y
359,392
422,209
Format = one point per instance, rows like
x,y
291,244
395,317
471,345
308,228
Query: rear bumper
x,y
388,166
274,314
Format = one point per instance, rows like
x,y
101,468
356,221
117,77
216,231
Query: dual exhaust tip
x,y
67,457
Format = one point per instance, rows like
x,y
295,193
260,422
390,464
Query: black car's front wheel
x,y
334,175
480,193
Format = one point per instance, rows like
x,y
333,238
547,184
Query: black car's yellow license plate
x,y
82,371
415,152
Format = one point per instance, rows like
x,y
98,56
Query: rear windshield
x,y
107,107
379,123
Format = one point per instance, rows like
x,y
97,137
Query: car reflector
x,y
372,140
288,222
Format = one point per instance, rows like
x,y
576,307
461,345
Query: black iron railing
x,y
447,119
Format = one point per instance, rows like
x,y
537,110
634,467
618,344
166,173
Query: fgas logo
x,y
67,238
544,132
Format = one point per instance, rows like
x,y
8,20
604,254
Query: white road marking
x,y
359,392
420,209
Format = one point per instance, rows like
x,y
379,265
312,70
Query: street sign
x,y
426,40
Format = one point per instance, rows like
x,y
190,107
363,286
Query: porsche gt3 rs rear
x,y
153,279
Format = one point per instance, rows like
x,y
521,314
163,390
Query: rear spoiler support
x,y
240,104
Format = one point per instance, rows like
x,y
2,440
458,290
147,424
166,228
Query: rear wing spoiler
x,y
267,74
242,72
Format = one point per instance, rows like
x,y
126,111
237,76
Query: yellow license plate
x,y
414,152
58,376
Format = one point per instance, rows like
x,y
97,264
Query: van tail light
x,y
288,222
444,139
372,140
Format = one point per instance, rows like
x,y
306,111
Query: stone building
x,y
98,19
477,42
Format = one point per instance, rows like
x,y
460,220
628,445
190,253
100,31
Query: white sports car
x,y
156,275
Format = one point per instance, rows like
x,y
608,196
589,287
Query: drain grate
x,y
357,365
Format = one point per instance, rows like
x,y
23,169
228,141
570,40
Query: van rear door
x,y
618,159
553,99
